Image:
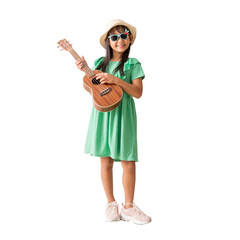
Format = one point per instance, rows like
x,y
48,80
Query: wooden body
x,y
106,102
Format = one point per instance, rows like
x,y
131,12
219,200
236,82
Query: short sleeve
x,y
137,71
97,62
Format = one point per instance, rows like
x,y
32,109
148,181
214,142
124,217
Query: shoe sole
x,y
114,220
126,218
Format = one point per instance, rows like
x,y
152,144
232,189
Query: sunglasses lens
x,y
124,36
114,38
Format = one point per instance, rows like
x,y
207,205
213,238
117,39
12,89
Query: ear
x,y
131,38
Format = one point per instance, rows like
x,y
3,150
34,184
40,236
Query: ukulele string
x,y
96,82
85,67
89,72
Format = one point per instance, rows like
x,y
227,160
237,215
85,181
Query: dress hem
x,y
109,155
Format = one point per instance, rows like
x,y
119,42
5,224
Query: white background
x,y
188,120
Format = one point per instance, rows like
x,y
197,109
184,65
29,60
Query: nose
x,y
120,40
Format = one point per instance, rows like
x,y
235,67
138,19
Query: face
x,y
119,46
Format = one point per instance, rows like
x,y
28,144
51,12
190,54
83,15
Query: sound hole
x,y
95,81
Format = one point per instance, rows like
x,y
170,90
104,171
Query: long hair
x,y
109,52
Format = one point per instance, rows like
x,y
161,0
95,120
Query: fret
x,y
88,71
74,54
86,68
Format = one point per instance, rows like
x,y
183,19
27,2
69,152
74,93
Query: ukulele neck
x,y
86,69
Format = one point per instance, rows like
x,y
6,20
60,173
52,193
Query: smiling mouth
x,y
121,46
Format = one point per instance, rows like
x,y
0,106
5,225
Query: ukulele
x,y
106,97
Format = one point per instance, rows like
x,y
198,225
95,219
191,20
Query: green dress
x,y
114,133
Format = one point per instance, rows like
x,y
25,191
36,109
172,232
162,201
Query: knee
x,y
128,165
107,163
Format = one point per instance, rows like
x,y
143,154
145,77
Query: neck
x,y
86,69
116,56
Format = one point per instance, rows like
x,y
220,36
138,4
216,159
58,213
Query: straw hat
x,y
114,23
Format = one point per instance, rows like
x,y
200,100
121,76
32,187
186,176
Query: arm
x,y
135,89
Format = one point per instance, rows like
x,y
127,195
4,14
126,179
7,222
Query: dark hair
x,y
109,52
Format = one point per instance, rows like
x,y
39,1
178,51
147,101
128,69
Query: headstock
x,y
64,44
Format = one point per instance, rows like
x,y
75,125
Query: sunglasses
x,y
123,36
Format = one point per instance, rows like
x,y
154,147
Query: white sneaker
x,y
112,213
134,214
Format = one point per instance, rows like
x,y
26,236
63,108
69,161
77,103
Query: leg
x,y
107,177
128,179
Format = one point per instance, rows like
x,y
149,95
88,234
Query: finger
x,y
99,77
79,65
81,68
83,59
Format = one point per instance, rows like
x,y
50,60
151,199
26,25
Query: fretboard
x,y
86,69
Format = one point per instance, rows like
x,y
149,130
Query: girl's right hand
x,y
81,63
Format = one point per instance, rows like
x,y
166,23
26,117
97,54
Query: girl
x,y
112,136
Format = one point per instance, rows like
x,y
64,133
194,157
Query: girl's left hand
x,y
105,78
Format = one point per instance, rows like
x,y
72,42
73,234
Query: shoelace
x,y
139,211
112,204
